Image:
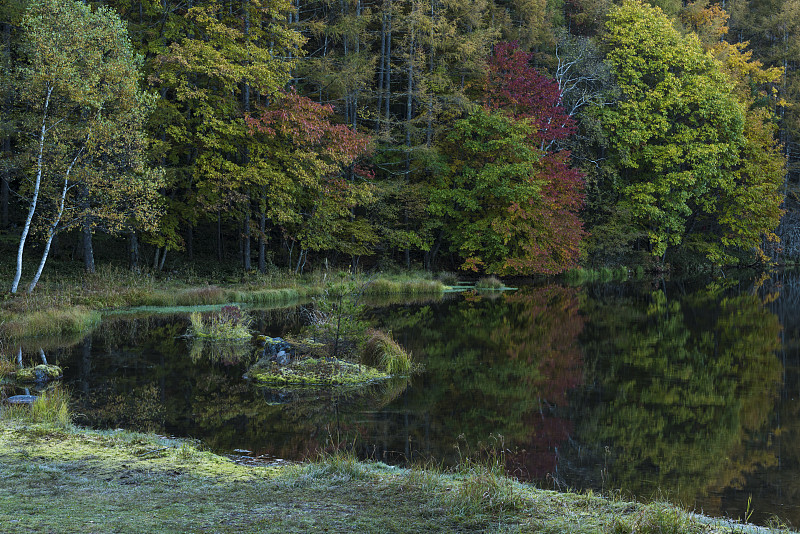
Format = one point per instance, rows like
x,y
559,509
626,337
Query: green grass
x,y
48,322
489,283
314,372
227,324
66,303
50,408
381,351
65,479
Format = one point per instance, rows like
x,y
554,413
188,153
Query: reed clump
x,y
383,352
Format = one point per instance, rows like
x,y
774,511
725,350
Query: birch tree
x,y
79,77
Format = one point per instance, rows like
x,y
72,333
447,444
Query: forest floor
x,y
61,478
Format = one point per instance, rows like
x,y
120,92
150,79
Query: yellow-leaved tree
x,y
79,81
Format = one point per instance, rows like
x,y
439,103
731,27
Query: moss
x,y
40,373
314,372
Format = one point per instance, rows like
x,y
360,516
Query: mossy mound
x,y
40,373
313,372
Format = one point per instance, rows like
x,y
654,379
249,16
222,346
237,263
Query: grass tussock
x,y
8,366
385,286
49,322
229,323
658,518
489,283
383,352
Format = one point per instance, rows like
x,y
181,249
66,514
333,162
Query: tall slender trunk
x,y
381,72
387,87
133,251
36,185
88,249
409,115
190,241
262,233
51,230
4,186
246,238
219,236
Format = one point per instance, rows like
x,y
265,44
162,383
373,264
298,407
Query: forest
x,y
511,137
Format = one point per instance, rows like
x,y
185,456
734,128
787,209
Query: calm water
x,y
690,393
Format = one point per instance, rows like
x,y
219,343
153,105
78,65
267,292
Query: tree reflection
x,y
493,367
679,387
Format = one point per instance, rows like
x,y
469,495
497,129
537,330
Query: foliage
x,y
508,207
336,319
305,164
684,143
83,124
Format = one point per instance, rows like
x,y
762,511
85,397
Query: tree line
x,y
514,138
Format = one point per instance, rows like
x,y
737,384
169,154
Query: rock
x,y
21,399
40,373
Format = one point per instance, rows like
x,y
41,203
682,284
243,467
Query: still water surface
x,y
684,392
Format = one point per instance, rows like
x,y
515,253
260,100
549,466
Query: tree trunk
x,y
37,183
190,241
388,85
88,249
5,180
246,238
262,234
4,185
133,251
409,115
51,231
156,257
219,236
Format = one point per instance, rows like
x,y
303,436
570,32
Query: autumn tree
x,y
86,165
682,145
510,197
302,159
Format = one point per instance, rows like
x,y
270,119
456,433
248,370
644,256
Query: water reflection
x,y
665,390
682,387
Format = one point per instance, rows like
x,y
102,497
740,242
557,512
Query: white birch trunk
x,y
35,197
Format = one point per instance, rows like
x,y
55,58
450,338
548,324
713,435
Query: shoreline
x,y
71,479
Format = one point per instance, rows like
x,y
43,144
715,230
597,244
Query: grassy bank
x,y
68,304
58,478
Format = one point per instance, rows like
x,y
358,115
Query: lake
x,y
685,392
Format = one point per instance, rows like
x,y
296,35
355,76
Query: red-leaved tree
x,y
550,222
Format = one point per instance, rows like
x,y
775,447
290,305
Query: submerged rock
x,y
21,399
40,373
